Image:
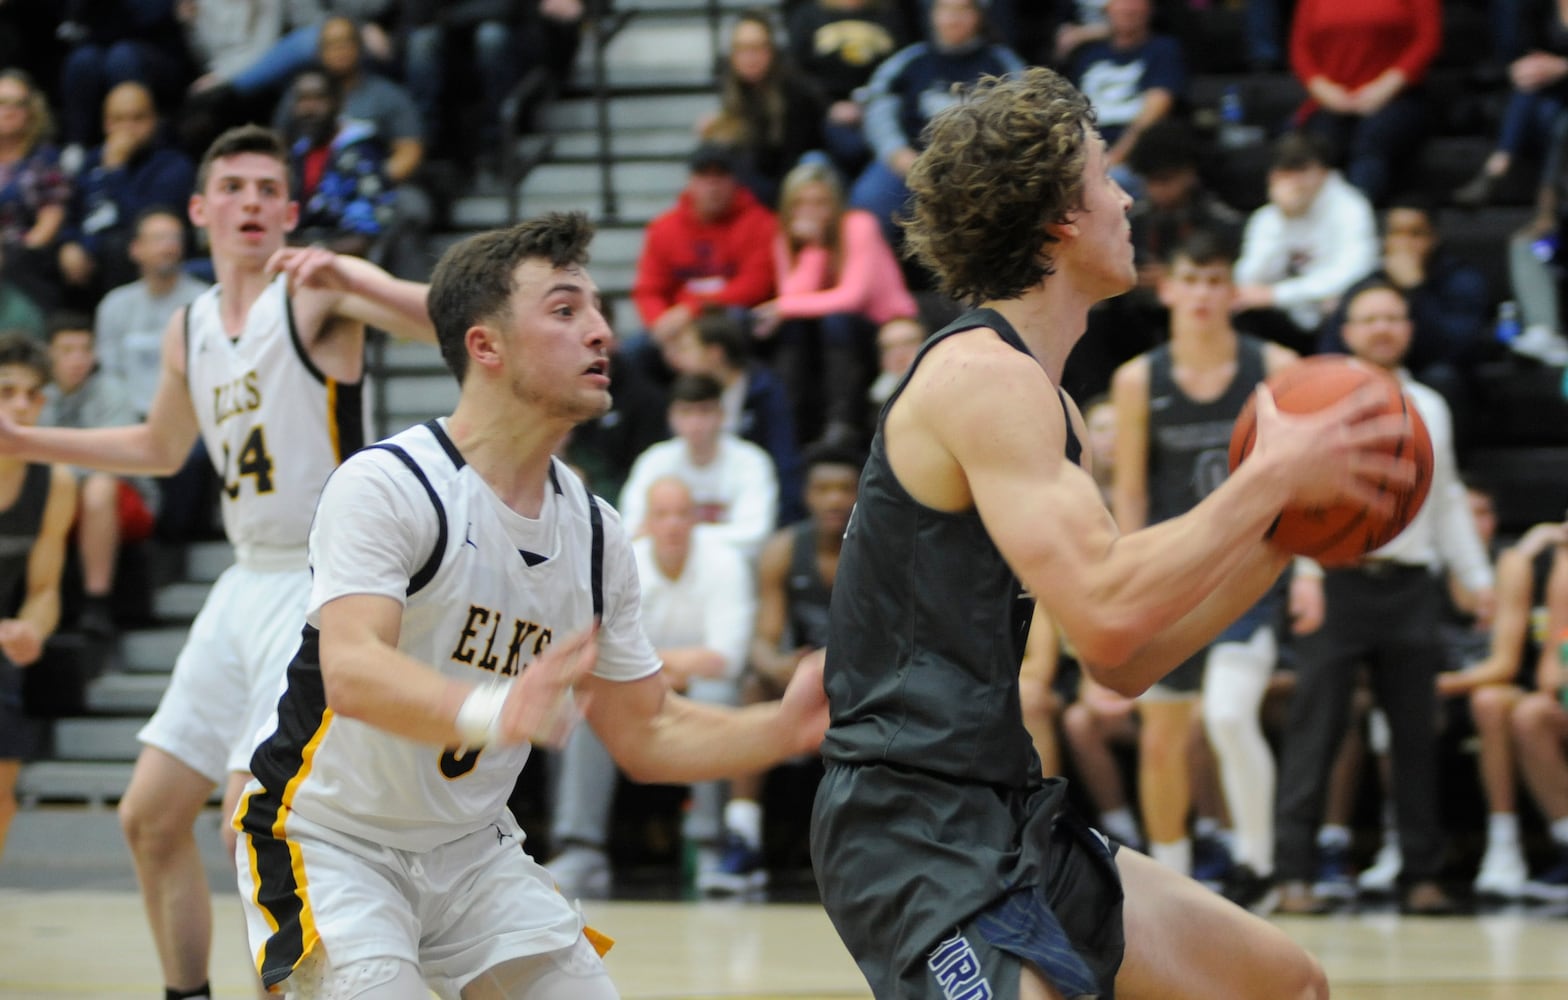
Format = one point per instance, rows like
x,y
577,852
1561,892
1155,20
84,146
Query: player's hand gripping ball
x,y
1341,534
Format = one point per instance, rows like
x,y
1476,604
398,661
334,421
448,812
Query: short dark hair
x,y
19,348
1203,247
240,139
716,327
832,453
695,389
68,321
1166,147
473,281
1299,150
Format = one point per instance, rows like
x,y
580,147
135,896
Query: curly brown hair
x,y
999,166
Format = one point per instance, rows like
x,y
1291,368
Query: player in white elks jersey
x,y
267,368
465,584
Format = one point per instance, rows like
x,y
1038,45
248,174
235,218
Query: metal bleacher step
x,y
631,111
627,144
204,561
92,782
179,601
151,650
124,693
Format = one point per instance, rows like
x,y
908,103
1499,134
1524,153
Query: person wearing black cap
x,y
714,247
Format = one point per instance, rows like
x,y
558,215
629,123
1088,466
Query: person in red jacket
x,y
1363,64
714,247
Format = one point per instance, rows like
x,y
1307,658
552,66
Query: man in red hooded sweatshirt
x,y
713,247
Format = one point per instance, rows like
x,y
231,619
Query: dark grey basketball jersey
x,y
19,526
809,595
1189,441
928,628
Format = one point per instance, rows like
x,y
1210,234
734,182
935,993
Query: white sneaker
x,y
1503,873
581,873
1380,878
1543,344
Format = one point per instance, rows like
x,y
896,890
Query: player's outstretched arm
x,y
992,416
157,446
359,290
367,678
656,735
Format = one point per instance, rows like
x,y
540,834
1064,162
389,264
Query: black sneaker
x,y
1250,891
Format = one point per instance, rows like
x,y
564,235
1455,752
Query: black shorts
x,y
17,730
942,889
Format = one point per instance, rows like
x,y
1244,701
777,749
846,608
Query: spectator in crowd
x,y
252,68
1540,727
113,511
768,111
36,521
715,246
795,573
114,42
494,43
1175,407
756,406
34,191
131,319
1492,686
898,341
909,88
1299,253
838,281
18,311
1133,76
698,605
732,480
1448,299
1536,262
344,197
1362,65
1381,613
837,44
131,172
1538,75
367,96
1078,23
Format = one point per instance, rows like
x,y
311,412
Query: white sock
x,y
1560,831
1234,682
743,817
1119,824
1502,830
1176,855
1205,828
1333,836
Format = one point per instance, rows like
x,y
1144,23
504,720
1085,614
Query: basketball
x,y
1341,534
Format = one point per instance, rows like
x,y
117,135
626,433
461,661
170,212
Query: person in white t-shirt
x,y
465,584
698,606
732,481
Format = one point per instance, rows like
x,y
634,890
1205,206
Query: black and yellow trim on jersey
x,y
277,866
345,400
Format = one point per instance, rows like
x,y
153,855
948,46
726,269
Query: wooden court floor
x,y
92,945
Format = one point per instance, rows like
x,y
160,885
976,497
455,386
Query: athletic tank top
x,y
928,627
1189,441
808,594
275,426
19,526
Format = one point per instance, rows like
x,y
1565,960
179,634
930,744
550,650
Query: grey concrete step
x,y
419,393
582,145
204,561
51,842
97,739
405,355
631,112
179,602
90,781
153,650
126,693
489,211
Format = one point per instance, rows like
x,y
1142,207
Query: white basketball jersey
x,y
484,591
274,424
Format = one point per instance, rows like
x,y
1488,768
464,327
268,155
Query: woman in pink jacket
x,y
838,282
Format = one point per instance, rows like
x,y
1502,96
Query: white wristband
x,y
479,716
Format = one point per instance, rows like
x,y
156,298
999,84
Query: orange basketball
x,y
1341,534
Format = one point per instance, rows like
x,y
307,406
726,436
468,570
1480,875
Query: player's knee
x,y
1533,718
149,828
1489,706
